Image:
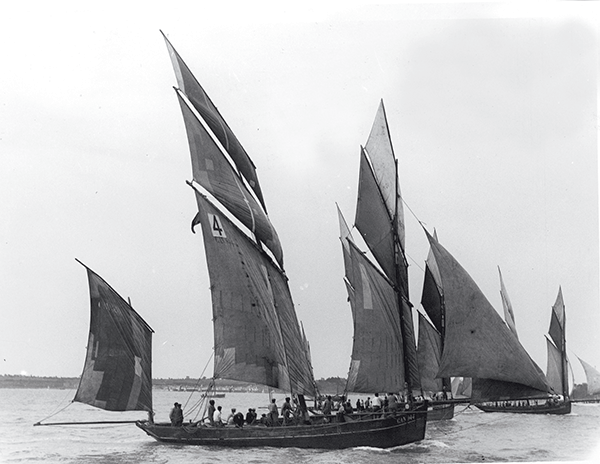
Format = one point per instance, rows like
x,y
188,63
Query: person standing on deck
x,y
273,413
217,419
376,403
211,412
176,415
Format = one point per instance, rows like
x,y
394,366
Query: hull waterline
x,y
563,408
385,431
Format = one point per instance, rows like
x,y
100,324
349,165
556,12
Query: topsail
x,y
209,112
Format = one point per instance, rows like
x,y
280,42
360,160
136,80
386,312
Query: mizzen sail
x,y
117,375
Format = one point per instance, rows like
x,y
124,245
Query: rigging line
x,y
54,414
412,212
60,410
199,378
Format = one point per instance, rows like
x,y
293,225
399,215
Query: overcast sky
x,y
492,111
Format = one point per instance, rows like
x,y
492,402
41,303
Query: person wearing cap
x,y
176,415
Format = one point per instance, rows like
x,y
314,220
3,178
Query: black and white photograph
x,y
318,232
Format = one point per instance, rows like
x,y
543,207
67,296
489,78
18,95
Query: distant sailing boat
x,y
431,342
384,355
477,342
593,380
551,403
257,335
117,374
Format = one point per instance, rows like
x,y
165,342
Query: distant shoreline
x,y
331,385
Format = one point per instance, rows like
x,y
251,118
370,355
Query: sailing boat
x,y
478,344
557,401
593,381
257,335
117,374
431,342
384,356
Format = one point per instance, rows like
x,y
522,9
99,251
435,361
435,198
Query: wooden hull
x,y
375,430
562,408
439,412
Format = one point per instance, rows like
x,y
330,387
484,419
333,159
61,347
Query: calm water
x,y
472,436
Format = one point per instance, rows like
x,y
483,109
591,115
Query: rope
x,y
59,411
198,404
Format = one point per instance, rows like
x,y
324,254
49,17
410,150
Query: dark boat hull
x,y
357,430
562,408
439,412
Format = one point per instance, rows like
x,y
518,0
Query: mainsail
x,y
477,343
383,296
593,377
257,335
117,375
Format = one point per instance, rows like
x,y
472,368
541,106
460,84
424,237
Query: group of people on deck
x,y
291,413
389,403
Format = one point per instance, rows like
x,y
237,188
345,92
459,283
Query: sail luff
x,y
509,315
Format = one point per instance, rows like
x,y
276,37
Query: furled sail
x,y
429,351
377,352
202,103
509,315
380,220
213,172
477,343
257,335
117,375
593,377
